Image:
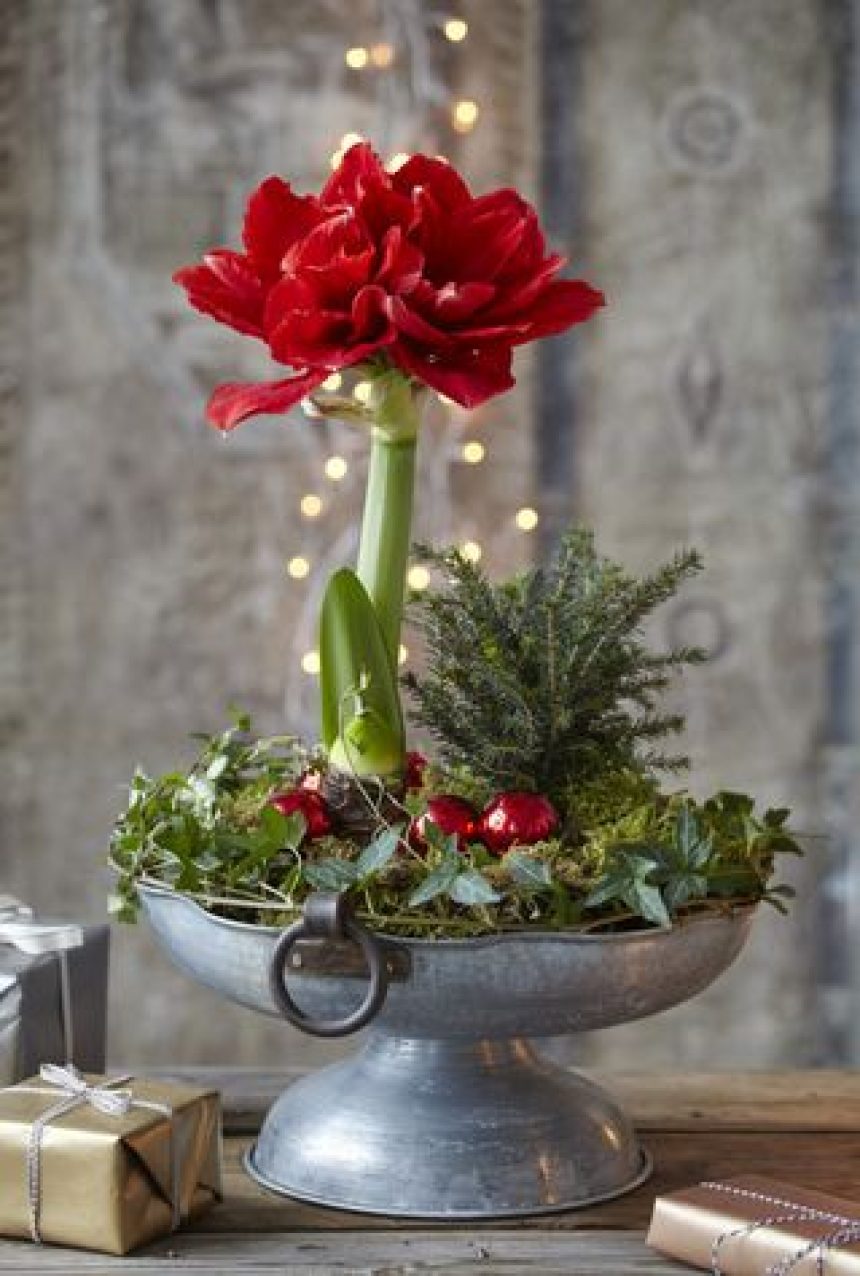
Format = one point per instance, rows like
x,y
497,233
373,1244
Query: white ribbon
x,y
77,1091
18,929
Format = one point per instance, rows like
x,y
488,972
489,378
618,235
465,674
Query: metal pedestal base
x,y
423,1128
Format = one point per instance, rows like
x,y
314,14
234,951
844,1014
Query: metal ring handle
x,y
328,916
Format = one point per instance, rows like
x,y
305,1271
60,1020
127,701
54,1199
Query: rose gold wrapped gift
x,y
105,1164
751,1226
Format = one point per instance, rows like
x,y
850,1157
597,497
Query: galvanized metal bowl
x,y
447,1111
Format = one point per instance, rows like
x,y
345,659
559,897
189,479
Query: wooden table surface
x,y
803,1127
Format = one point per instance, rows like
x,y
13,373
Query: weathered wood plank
x,y
657,1101
493,1253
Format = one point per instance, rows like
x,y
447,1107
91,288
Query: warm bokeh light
x,y
397,161
526,519
362,391
356,58
474,452
465,115
402,654
336,468
418,577
382,54
311,662
311,505
332,383
471,551
298,567
456,29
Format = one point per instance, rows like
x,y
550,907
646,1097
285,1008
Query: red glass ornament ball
x,y
451,815
517,819
309,804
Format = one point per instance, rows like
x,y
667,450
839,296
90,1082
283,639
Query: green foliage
x,y
545,683
361,716
641,856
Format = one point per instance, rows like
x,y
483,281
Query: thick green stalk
x,y
363,613
384,546
386,529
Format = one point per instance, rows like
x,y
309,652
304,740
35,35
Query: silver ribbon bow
x,y
74,1091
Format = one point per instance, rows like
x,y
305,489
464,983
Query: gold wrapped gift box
x,y
751,1225
105,1181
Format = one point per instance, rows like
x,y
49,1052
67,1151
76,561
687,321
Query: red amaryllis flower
x,y
408,266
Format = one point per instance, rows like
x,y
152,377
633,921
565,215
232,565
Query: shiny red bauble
x,y
516,819
309,804
416,765
451,815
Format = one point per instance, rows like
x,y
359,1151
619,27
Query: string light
x,y
402,654
356,57
455,29
311,662
332,383
418,578
336,468
362,391
465,115
311,505
298,567
474,452
397,161
526,519
471,551
382,55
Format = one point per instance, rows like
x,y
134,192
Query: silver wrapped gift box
x,y
53,993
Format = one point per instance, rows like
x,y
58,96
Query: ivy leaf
x,y
679,890
377,854
331,875
609,888
436,883
528,871
645,899
217,766
472,888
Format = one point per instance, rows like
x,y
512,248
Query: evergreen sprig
x,y
545,682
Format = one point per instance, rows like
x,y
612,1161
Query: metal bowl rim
x,y
149,885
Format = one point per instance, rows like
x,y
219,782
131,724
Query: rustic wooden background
x,y
697,159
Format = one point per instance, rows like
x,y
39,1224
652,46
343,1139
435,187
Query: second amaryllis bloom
x,y
407,268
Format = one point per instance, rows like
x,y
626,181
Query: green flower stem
x,y
386,529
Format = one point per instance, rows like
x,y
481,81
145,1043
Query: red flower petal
x,y
332,339
562,304
274,220
358,171
232,403
456,302
467,376
227,288
402,263
437,175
